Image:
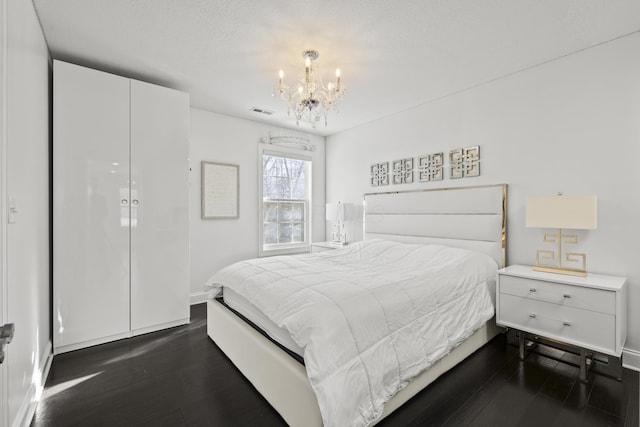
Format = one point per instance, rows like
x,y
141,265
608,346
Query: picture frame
x,y
472,161
402,171
379,174
456,167
220,192
430,167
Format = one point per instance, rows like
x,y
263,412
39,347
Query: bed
x,y
470,218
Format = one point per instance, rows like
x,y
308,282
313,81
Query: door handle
x,y
6,335
6,332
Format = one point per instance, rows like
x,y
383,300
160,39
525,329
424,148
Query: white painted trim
x,y
631,359
198,297
90,343
48,354
160,327
4,306
123,335
27,409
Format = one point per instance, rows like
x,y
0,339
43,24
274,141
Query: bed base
x,y
283,381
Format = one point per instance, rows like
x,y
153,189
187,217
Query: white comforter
x,y
370,317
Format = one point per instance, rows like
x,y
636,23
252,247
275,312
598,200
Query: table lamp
x,y
568,212
335,213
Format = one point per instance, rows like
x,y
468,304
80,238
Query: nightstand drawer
x,y
575,326
599,300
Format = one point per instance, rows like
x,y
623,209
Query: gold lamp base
x,y
561,270
557,257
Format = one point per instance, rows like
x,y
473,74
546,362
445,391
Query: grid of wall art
x,y
463,163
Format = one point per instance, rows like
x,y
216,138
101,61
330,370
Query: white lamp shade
x,y
334,212
573,212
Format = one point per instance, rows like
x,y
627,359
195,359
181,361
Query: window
x,y
286,195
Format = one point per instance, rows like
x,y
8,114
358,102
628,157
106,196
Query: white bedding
x,y
251,312
370,316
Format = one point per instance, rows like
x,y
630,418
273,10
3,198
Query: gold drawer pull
x,y
566,323
532,315
532,289
566,296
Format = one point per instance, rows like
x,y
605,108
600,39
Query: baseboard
x,y
160,327
631,359
28,407
90,343
198,298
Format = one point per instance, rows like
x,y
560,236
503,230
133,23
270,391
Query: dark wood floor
x,y
179,377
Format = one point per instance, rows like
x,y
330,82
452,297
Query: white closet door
x,y
160,207
91,207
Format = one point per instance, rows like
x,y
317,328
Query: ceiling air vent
x,y
262,111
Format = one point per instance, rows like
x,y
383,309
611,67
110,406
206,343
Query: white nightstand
x,y
586,312
325,246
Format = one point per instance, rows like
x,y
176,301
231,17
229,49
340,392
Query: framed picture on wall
x,y
220,190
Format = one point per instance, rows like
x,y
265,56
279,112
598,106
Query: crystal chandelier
x,y
309,99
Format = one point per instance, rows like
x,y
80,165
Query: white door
x,y
91,207
4,402
160,207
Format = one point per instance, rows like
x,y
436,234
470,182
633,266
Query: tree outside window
x,y
285,200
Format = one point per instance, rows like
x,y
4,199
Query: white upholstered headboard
x,y
466,217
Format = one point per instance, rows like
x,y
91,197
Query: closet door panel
x,y
160,207
91,207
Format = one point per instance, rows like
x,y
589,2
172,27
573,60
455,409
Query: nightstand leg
x,y
521,345
584,369
617,366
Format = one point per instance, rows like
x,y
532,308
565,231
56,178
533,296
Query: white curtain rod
x,y
289,140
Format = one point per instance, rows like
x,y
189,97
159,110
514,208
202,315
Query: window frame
x,y
290,248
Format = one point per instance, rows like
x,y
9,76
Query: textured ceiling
x,y
394,55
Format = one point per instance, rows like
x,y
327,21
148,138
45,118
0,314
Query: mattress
x,y
279,334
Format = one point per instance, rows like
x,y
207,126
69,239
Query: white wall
x,y
216,243
27,174
571,125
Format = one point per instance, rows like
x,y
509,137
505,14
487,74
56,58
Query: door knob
x,y
6,335
6,332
